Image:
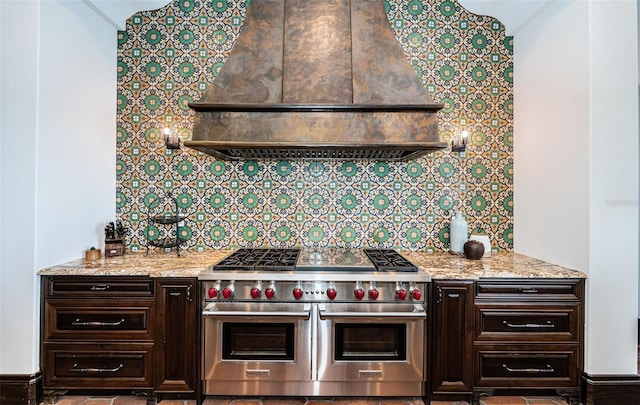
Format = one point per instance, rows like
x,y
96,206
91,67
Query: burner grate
x,y
259,259
389,260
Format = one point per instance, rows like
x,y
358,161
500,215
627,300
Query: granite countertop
x,y
446,266
441,265
155,264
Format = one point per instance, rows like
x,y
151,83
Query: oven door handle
x,y
295,315
212,312
419,313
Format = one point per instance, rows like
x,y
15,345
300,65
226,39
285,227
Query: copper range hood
x,y
319,79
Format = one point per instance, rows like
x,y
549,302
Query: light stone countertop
x,y
446,266
441,265
156,264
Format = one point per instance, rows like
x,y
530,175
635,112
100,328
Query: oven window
x,y
370,341
258,341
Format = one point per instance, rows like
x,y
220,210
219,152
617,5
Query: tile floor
x,y
132,400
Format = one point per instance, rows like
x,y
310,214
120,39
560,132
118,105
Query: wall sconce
x,y
459,141
171,139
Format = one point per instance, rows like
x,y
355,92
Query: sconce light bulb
x,y
167,130
465,133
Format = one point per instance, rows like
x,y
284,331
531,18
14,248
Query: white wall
x,y
551,132
58,66
18,143
613,255
576,162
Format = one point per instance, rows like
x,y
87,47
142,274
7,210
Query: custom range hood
x,y
319,79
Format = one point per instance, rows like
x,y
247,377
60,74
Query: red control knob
x,y
255,292
270,293
227,292
416,294
297,293
373,293
401,294
213,292
331,293
359,293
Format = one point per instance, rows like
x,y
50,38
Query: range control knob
x,y
297,293
255,292
374,293
270,292
331,293
213,292
401,294
358,291
227,292
416,294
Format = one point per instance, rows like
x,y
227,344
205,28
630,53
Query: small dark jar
x,y
473,250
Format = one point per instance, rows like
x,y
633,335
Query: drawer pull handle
x,y
529,325
96,370
529,290
78,322
370,373
549,369
99,287
257,373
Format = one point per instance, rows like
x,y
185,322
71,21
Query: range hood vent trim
x,y
294,151
202,106
319,79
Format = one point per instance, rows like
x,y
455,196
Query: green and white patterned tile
x,y
166,58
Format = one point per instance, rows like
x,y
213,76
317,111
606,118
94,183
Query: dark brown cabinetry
x,y
452,371
108,333
528,335
176,348
506,334
98,333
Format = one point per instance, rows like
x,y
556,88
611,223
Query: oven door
x,y
245,342
368,343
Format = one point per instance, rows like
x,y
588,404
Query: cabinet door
x,y
452,354
176,344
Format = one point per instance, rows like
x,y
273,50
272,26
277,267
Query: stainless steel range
x,y
305,322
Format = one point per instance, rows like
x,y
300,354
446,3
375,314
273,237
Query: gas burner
x,y
389,260
260,259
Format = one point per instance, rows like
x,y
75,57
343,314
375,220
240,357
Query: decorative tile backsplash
x,y
167,58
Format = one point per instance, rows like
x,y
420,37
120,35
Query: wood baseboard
x,y
611,389
21,389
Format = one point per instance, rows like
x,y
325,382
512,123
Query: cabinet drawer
x,y
532,366
98,319
528,322
83,287
523,290
98,366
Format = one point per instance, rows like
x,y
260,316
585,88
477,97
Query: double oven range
x,y
314,322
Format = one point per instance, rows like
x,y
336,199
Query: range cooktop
x,y
260,259
328,259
